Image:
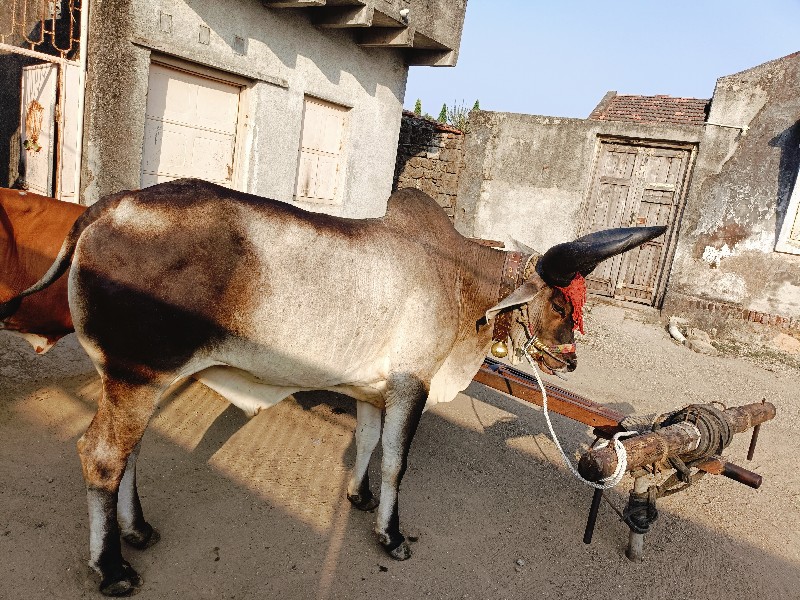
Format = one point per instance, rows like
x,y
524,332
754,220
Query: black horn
x,y
562,262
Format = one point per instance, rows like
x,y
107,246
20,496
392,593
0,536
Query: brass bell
x,y
500,349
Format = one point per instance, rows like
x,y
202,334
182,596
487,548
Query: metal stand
x,y
641,484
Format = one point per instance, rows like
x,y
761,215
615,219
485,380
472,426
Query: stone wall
x,y
430,157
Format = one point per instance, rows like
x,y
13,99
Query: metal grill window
x,y
48,26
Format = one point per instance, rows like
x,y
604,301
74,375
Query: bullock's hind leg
x,y
135,530
368,432
405,402
122,416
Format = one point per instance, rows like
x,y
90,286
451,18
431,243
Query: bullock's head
x,y
547,308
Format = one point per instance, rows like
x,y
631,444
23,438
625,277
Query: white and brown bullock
x,y
32,229
260,299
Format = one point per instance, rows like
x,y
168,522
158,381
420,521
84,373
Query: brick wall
x,y
685,305
430,157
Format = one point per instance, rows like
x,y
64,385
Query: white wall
x,y
286,58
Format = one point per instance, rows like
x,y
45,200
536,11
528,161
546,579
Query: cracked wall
x,y
726,249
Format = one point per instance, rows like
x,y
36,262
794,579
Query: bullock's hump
x,y
418,215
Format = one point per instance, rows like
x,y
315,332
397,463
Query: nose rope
x,y
549,350
622,455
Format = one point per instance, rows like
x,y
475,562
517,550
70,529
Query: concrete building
x,y
298,100
720,174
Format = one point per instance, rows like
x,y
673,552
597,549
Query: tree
x,y
476,106
418,107
443,114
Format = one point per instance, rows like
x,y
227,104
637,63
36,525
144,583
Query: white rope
x,y
622,455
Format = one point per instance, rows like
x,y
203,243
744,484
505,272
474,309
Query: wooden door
x,y
37,125
635,186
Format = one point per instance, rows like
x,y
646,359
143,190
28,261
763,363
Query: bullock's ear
x,y
516,245
522,295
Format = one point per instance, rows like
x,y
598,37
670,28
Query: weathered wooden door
x,y
635,185
37,125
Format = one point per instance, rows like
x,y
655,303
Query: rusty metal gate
x,y
42,66
636,184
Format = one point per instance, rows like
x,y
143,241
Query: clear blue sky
x,y
559,57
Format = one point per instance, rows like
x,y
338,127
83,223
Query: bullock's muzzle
x,y
552,351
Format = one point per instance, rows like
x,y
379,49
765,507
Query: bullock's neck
x,y
481,273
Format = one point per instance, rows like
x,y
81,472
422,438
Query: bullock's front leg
x,y
405,402
115,431
368,432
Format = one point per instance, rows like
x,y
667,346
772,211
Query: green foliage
x,y
443,114
456,115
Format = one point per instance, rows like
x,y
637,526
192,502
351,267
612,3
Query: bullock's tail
x,y
64,258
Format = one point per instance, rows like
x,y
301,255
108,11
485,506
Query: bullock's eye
x,y
559,309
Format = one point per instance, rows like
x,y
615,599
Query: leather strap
x,y
508,283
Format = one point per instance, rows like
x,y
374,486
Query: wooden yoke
x,y
673,440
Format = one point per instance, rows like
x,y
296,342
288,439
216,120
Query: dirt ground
x,y
257,509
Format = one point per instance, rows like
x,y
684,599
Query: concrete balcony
x,y
428,32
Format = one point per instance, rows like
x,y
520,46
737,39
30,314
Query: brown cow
x,y
32,229
260,300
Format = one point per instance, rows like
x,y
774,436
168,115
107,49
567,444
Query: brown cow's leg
x,y
405,401
368,432
113,435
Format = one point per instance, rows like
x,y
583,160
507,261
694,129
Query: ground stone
x,y
701,346
786,343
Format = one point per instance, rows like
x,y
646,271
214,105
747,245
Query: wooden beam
x,y
340,17
387,37
519,384
292,3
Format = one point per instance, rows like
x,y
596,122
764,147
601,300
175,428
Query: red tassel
x,y
575,292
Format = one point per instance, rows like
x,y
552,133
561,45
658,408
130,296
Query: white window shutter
x,y
789,237
321,152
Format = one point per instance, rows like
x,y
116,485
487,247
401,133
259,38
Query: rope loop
x,y
715,435
622,455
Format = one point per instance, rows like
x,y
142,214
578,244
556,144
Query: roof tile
x,y
652,109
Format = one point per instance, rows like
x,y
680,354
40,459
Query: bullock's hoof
x,y
363,502
141,540
397,549
124,583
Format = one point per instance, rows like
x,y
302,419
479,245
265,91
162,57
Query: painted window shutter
x,y
789,236
319,171
190,127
